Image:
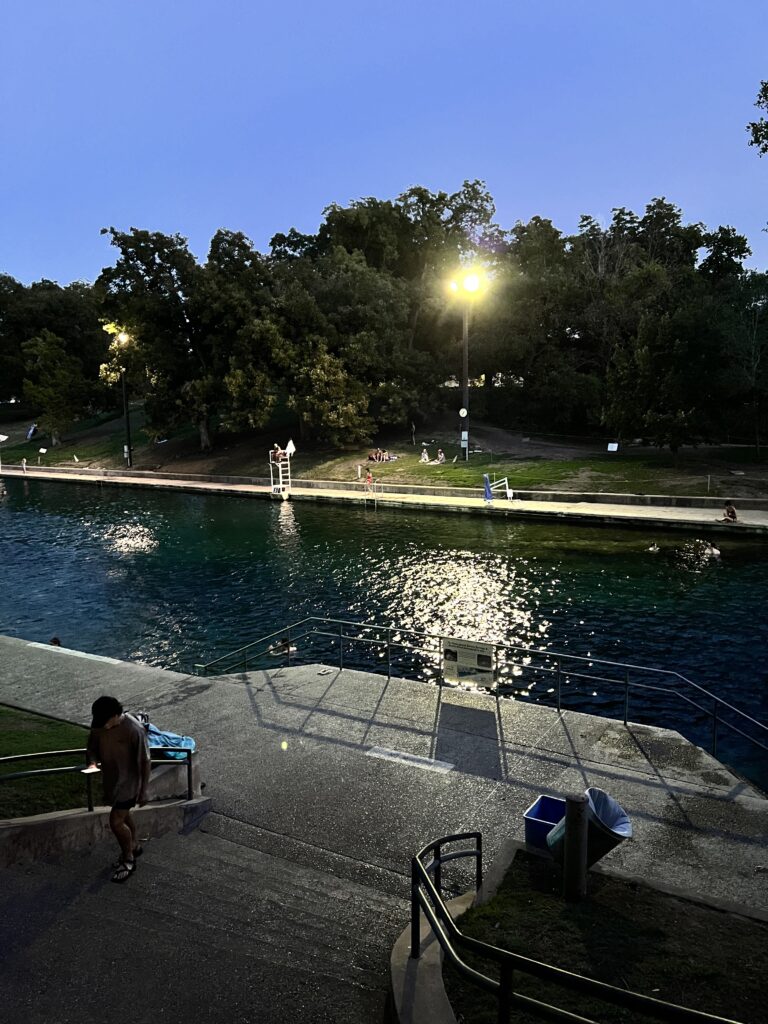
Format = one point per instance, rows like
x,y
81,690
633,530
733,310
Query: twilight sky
x,y
190,115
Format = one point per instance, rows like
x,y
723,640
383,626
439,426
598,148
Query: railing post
x,y
415,913
559,675
245,659
479,862
626,695
288,662
714,728
341,647
438,869
189,775
89,791
506,976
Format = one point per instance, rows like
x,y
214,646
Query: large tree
x,y
54,384
156,291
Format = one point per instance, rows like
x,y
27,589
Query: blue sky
x,y
190,115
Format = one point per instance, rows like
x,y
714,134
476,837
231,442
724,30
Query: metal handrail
x,y
557,664
71,769
426,896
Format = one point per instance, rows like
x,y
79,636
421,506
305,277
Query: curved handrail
x,y
427,897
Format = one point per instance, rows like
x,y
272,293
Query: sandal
x,y
124,871
137,852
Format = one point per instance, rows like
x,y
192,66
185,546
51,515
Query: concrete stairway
x,y
239,932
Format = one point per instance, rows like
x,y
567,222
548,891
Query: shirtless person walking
x,y
119,744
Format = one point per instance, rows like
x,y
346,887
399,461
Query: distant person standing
x,y
369,481
32,431
118,743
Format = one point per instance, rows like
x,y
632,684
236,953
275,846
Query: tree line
x,y
643,327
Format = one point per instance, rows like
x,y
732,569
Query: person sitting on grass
x,y
729,513
118,743
424,455
440,458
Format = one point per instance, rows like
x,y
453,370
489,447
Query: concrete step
x,y
238,934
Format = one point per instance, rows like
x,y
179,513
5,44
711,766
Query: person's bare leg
x,y
132,826
122,832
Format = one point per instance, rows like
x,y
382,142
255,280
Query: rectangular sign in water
x,y
469,661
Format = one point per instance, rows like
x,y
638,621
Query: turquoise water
x,y
174,579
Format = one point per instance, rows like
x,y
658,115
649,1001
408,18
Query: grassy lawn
x,y
99,442
24,733
623,934
633,472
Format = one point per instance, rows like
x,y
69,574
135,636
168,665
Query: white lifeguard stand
x,y
280,468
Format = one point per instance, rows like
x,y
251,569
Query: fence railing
x,y
550,677
89,776
427,898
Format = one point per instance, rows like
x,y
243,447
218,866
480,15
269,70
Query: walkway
x,y
323,784
751,521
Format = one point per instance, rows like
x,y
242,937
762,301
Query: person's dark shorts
x,y
123,805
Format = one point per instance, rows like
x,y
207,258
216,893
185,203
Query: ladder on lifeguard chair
x,y
280,468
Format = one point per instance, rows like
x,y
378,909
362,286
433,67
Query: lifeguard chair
x,y
280,468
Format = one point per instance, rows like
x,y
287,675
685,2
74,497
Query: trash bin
x,y
607,826
543,813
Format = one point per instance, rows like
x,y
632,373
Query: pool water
x,y
174,579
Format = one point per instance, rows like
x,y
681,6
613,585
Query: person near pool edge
x,y
118,743
729,513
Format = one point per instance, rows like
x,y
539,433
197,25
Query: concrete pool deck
x,y
324,783
589,509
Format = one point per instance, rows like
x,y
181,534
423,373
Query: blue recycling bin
x,y
543,813
607,825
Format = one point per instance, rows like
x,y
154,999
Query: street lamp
x,y
468,285
123,338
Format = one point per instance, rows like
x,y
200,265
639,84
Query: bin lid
x,y
608,812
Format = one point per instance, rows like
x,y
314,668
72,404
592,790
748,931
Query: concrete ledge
x,y
418,993
23,840
358,486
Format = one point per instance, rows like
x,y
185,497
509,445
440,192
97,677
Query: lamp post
x,y
123,339
467,284
3,437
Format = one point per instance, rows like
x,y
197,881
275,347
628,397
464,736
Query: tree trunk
x,y
205,437
757,430
55,438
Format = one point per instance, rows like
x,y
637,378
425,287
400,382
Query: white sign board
x,y
613,446
469,660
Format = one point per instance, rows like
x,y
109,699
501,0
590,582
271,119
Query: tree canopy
x,y
645,326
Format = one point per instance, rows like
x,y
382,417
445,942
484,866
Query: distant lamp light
x,y
469,281
123,337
